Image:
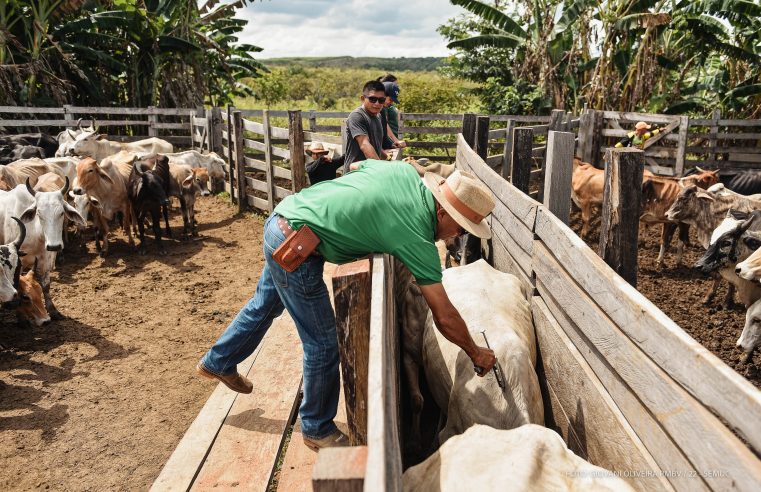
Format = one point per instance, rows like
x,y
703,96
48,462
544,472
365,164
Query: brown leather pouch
x,y
296,248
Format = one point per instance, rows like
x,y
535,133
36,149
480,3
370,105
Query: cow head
x,y
85,144
31,300
687,203
750,268
216,166
50,208
84,205
10,267
751,335
705,179
6,179
89,175
725,246
198,182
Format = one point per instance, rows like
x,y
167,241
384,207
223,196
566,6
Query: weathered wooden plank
x,y
253,126
256,164
281,172
521,257
434,158
296,151
501,259
518,203
724,136
688,423
327,128
469,122
167,126
507,150
432,116
278,132
321,137
239,160
268,161
187,458
520,118
253,144
104,123
494,160
431,130
281,192
519,231
340,470
496,134
739,122
352,291
590,413
280,152
258,203
619,228
520,166
384,463
684,122
627,116
558,173
256,184
482,137
704,375
30,110
706,150
246,450
431,145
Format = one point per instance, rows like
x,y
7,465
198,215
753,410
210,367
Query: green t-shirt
x,y
383,207
392,115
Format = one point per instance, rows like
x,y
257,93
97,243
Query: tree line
x,y
170,53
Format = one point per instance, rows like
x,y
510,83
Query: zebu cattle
x,y
529,458
31,307
750,338
10,154
66,167
464,397
191,182
214,164
94,146
746,183
726,249
17,172
50,182
147,191
68,137
43,214
422,166
48,144
10,263
750,268
107,186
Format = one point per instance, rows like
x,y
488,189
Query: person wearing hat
x,y
322,165
642,132
405,224
390,114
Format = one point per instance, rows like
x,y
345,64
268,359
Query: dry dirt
x,y
679,293
99,400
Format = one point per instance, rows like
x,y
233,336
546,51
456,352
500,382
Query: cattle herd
x,y
48,184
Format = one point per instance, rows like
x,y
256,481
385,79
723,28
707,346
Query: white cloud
x,y
392,28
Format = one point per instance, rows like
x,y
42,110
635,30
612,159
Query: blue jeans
x,y
304,293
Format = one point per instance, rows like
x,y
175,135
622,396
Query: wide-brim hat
x,y
318,148
641,125
465,198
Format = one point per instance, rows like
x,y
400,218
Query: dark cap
x,y
392,91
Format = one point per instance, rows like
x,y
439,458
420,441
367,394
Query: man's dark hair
x,y
389,77
373,85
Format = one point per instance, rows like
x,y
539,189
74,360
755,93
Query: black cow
x,y
12,153
746,183
147,192
48,143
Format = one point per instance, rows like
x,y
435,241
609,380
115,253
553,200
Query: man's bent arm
x,y
366,147
449,322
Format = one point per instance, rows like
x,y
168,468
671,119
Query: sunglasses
x,y
376,100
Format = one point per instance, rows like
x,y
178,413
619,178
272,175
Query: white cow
x,y
529,458
466,398
98,148
64,166
750,338
16,173
214,164
10,264
67,138
43,214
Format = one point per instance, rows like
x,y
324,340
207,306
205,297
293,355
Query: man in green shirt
x,y
378,207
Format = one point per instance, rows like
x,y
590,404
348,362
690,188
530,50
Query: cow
x,y
10,154
10,265
43,214
92,145
214,164
48,144
529,458
750,268
17,172
64,166
68,137
726,248
147,191
107,186
422,166
750,337
192,182
746,183
465,398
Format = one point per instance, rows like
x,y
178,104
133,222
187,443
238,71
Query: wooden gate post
x,y
713,134
240,166
230,148
215,120
520,167
269,172
507,150
684,124
469,128
482,137
67,114
620,211
557,177
296,148
153,118
352,295
586,129
596,140
557,123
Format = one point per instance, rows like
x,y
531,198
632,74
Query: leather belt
x,y
287,230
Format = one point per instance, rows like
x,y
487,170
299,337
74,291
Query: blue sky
x,y
390,28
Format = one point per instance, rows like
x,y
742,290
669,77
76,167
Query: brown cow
x,y
31,308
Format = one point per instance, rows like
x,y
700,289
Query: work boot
x,y
334,440
235,382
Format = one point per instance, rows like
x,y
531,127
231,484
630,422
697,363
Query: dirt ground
x,y
679,293
100,399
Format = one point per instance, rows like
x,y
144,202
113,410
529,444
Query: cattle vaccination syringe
x,y
497,368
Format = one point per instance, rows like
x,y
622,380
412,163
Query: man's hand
x,y
400,144
385,156
483,360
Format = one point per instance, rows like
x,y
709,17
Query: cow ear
x,y
705,196
751,242
187,183
101,136
94,202
73,215
29,213
105,175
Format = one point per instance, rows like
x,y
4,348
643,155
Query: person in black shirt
x,y
323,166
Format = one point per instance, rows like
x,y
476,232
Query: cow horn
x,y
29,188
700,170
71,134
65,187
136,166
22,235
79,123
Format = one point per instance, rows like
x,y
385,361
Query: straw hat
x,y
318,148
464,198
640,125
